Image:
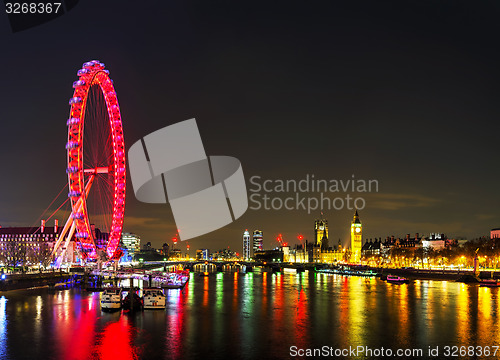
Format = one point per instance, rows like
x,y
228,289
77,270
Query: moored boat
x,y
489,283
179,279
136,304
397,280
111,299
153,299
348,272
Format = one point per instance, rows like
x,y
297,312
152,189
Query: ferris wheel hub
x,y
99,170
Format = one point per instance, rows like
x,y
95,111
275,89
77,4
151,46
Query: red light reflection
x,y
116,341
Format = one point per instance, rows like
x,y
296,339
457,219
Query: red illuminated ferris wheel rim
x,y
93,73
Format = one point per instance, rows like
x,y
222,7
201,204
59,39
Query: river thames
x,y
257,315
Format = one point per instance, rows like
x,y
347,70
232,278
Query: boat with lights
x,y
111,299
397,280
176,280
153,298
489,283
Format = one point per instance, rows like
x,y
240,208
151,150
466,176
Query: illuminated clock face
x,y
358,230
321,227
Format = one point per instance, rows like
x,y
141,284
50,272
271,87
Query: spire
x,y
355,219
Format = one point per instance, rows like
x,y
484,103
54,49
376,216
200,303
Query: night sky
x,y
404,92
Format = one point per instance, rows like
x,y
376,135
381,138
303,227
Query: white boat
x,y
111,299
154,299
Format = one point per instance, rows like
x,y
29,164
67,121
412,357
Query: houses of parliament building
x,y
322,251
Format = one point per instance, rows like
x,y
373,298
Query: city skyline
x,y
337,91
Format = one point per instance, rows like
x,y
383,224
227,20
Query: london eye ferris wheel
x,y
96,165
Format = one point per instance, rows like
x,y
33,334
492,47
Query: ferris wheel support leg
x,y
66,244
70,221
89,184
63,233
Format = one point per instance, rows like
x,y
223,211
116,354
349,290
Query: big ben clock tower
x,y
356,238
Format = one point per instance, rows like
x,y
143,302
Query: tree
x,y
419,254
15,253
42,255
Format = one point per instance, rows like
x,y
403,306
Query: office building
x,y
258,241
246,245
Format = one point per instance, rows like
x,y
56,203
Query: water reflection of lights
x,y
462,310
343,313
248,333
484,297
248,288
74,324
264,295
357,311
299,278
205,291
190,288
235,291
219,287
3,328
175,322
38,320
38,308
487,306
404,311
63,309
301,319
116,341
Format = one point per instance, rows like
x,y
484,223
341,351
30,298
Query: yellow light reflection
x,y
462,306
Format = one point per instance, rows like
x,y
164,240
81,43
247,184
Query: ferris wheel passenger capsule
x,y
75,100
72,145
74,193
78,83
72,121
78,216
82,72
